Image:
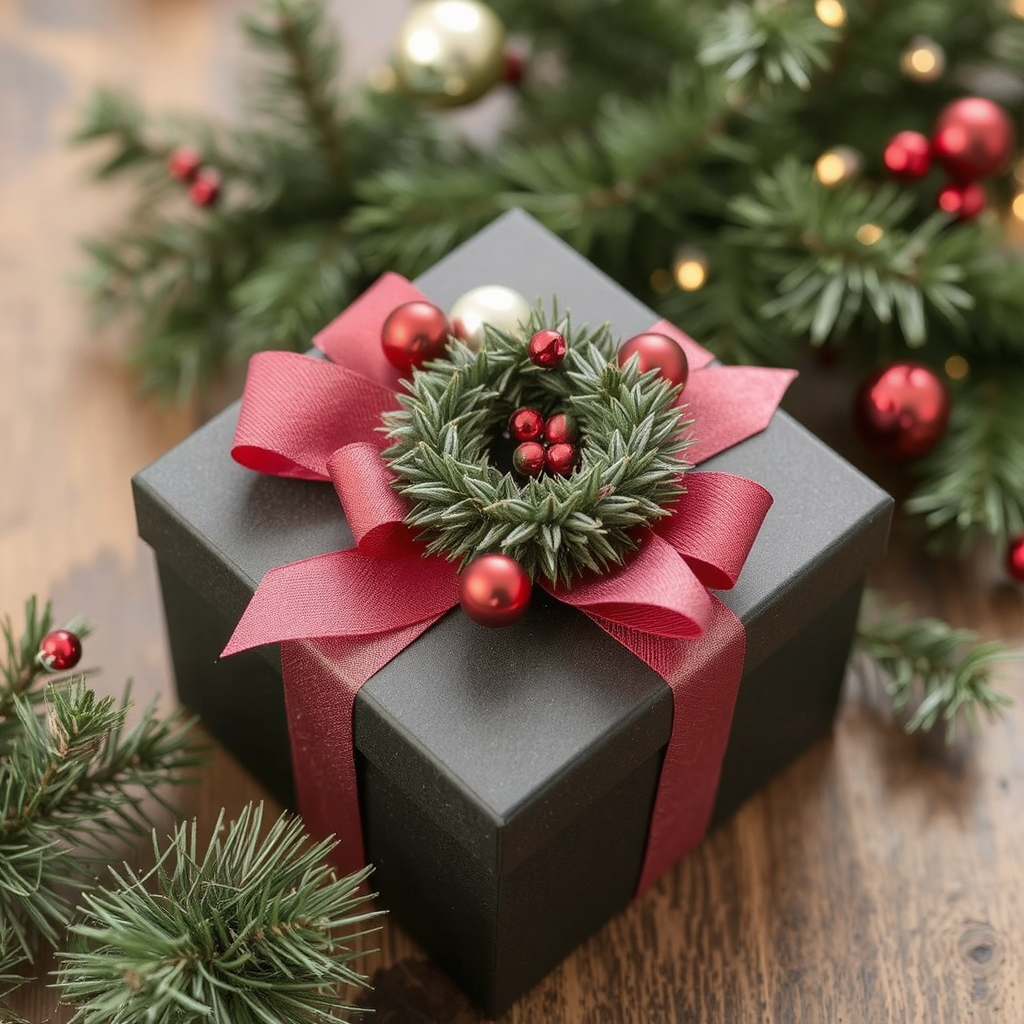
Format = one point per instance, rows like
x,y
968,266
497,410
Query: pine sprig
x,y
250,931
935,673
75,778
973,482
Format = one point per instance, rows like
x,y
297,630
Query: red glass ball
x,y
60,650
973,138
413,334
1015,559
963,200
494,590
902,410
547,349
560,459
908,156
657,352
205,187
528,458
184,163
561,428
526,424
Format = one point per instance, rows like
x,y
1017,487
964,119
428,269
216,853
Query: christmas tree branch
x,y
936,673
250,930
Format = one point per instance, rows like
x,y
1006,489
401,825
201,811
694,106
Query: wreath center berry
x,y
599,455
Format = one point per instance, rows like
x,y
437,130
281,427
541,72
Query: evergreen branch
x,y
973,482
300,90
113,116
248,932
842,255
74,778
936,672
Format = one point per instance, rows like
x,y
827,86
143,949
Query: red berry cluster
x,y
544,444
973,138
185,164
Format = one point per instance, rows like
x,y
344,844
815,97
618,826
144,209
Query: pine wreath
x,y
629,471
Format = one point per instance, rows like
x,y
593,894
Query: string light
x,y
661,281
869,234
690,270
923,60
957,368
1017,7
837,165
1018,206
833,13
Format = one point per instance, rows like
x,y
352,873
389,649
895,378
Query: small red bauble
x,y
184,163
513,67
902,410
657,352
560,459
413,334
526,424
908,156
973,138
561,429
547,349
205,188
963,200
529,458
494,590
1015,559
60,650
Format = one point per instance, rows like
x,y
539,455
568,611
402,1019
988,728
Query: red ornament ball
x,y
561,428
495,590
973,138
60,650
560,459
184,163
528,458
1015,559
902,410
908,156
657,352
205,188
964,200
413,334
547,349
526,424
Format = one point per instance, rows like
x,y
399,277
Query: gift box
x,y
507,777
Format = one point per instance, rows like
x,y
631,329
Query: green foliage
x,y
555,527
642,128
251,931
937,674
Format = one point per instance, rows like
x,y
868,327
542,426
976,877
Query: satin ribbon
x,y
342,616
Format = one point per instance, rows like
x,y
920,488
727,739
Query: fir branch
x,y
297,89
75,778
114,117
12,956
840,256
973,482
248,932
931,670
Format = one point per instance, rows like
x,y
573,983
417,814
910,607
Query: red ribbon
x,y
340,617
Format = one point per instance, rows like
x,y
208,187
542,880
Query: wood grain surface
x,y
880,879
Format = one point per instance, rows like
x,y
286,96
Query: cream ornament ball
x,y
492,304
450,52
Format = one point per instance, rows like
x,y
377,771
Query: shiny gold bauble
x,y
450,52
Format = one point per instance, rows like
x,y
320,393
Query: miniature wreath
x,y
627,473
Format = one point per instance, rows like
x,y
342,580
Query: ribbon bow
x,y
342,616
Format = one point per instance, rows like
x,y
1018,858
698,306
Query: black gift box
x,y
507,776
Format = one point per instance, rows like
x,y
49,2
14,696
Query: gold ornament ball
x,y
492,304
450,52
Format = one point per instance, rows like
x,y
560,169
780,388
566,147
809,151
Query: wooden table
x,y
879,879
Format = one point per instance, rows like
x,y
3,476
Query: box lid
x,y
506,734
